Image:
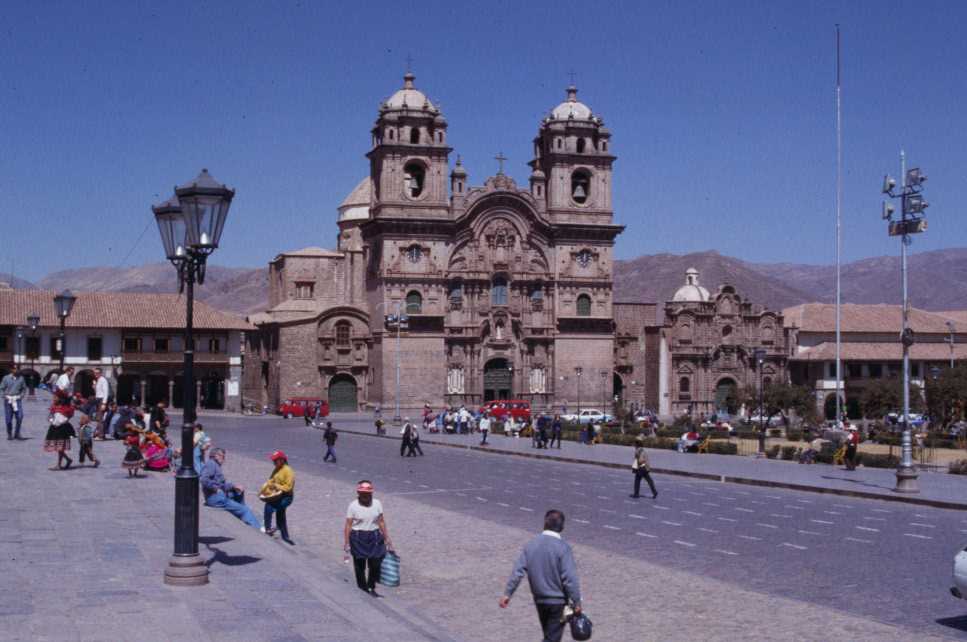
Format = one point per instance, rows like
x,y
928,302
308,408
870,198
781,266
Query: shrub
x,y
674,432
790,452
772,452
957,467
723,448
794,435
775,432
879,461
681,422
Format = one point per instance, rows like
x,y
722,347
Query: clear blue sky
x,y
722,113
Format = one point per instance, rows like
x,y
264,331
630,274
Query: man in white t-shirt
x,y
102,390
64,381
484,428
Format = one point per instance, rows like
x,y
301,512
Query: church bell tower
x,y
409,157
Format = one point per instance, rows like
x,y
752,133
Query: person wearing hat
x,y
852,441
365,537
278,493
641,468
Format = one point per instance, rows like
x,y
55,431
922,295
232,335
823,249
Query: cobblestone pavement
x,y
707,561
84,551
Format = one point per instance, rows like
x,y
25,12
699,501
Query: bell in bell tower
x,y
409,157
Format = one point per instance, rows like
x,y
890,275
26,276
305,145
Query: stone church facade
x,y
506,290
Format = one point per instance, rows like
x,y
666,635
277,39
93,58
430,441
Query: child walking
x,y
86,439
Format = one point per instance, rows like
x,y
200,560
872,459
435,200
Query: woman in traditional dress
x,y
60,432
133,460
365,537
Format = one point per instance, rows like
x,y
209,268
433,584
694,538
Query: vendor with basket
x,y
278,493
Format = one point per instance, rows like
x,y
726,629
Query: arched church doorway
x,y
498,380
726,397
342,394
619,389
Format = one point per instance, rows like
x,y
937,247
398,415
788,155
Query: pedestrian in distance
x,y
642,469
556,428
131,432
365,537
329,436
201,443
551,571
102,393
379,426
406,448
852,442
542,421
484,428
307,414
278,493
12,389
221,493
415,442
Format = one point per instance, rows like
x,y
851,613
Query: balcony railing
x,y
174,357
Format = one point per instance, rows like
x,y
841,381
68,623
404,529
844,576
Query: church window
x,y
604,146
685,334
684,388
390,134
584,305
439,137
560,143
726,331
414,303
303,290
414,253
537,298
580,186
343,331
539,190
581,144
584,258
415,135
498,292
413,178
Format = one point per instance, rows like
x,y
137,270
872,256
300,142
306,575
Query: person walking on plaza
x,y
278,493
415,442
59,434
556,428
12,389
102,393
548,562
365,537
484,428
220,493
329,436
642,469
852,442
406,447
85,439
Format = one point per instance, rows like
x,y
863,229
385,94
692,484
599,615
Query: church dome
x,y
409,97
571,108
355,207
691,292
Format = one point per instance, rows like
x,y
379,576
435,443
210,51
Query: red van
x,y
500,408
296,406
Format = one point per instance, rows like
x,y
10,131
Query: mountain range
x,y
937,280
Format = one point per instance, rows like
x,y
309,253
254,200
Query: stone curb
x,y
748,481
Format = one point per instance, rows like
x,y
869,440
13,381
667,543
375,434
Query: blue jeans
x,y
330,452
238,509
199,459
278,507
10,414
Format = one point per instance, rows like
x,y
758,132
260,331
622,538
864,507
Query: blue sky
x,y
722,113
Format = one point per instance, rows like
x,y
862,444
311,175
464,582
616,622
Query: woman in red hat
x,y
278,493
365,536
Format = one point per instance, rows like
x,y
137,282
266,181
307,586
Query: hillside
x,y
938,280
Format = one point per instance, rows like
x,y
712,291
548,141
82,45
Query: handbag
x,y
389,570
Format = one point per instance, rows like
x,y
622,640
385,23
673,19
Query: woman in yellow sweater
x,y
278,493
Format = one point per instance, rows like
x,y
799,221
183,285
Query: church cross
x,y
500,158
409,63
571,74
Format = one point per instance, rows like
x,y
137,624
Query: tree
x,y
781,399
883,396
947,395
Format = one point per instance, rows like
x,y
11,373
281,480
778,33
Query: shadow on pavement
x,y
858,482
221,557
959,622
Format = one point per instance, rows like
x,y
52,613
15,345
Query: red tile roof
x,y
114,310
880,351
821,317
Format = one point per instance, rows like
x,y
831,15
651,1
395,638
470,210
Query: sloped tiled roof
x,y
114,310
959,317
821,317
880,351
360,195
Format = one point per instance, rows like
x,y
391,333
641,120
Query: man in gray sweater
x,y
549,564
12,390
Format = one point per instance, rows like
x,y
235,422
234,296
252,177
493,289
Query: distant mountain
x,y
16,282
938,280
238,290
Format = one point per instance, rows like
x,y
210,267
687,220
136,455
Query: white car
x,y
588,416
959,589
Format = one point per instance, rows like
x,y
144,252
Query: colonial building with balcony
x,y
136,340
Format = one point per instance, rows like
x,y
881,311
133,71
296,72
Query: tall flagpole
x,y
839,230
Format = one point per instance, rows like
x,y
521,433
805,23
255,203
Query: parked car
x,y
896,419
646,415
296,407
588,416
959,589
500,408
771,422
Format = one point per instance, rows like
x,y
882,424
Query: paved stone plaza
x,y
92,551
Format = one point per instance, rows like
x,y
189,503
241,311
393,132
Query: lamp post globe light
x,y
63,304
190,224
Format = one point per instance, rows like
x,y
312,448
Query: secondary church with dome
x,y
456,293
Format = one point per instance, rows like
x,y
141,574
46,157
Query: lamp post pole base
x,y
906,481
186,570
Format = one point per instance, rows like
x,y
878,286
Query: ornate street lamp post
x,y
33,320
760,358
191,224
63,303
579,371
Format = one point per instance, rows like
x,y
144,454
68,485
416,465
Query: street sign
x,y
909,226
